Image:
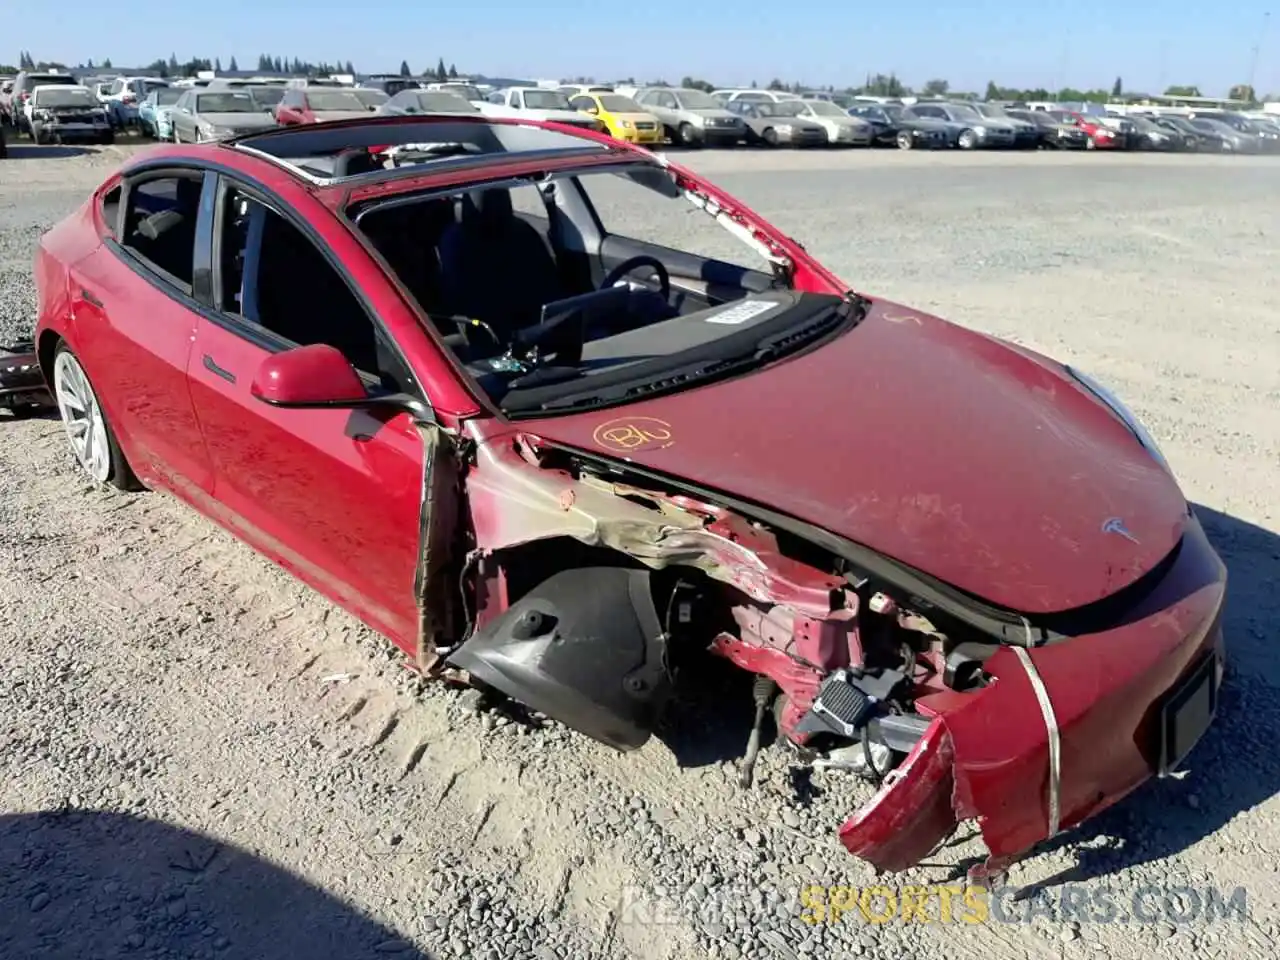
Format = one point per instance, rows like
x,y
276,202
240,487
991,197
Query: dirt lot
x,y
201,758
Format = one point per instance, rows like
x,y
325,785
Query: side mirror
x,y
313,376
594,111
319,377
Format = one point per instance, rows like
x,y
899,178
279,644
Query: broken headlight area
x,y
628,585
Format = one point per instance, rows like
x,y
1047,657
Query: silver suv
x,y
692,118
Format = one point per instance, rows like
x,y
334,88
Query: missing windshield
x,y
589,287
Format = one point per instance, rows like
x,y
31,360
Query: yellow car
x,y
624,117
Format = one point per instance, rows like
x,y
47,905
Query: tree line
x,y
888,85
267,63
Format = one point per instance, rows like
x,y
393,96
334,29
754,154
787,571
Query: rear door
x,y
134,301
333,495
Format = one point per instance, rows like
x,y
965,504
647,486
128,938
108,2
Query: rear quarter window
x,y
109,208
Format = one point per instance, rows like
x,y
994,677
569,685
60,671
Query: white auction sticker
x,y
741,312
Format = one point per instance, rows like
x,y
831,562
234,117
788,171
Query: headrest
x,y
154,226
349,163
492,205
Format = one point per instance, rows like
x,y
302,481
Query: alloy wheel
x,y
82,417
905,141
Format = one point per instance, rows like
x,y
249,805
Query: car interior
x,y
542,294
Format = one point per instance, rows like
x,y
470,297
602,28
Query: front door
x,y
332,495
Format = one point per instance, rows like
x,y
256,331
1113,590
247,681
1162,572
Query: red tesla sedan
x,y
459,376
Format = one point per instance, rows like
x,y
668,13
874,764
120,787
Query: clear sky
x,y
1085,43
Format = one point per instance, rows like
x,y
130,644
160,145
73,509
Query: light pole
x,y
1257,48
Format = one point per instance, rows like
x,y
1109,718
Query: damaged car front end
x,y
1021,649
1028,727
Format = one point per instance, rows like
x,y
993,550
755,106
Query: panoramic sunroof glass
x,y
303,147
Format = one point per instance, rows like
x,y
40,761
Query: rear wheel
x,y
92,441
967,140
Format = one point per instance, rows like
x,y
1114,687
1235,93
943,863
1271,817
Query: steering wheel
x,y
634,263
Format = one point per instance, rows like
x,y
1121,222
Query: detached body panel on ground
x,y
527,478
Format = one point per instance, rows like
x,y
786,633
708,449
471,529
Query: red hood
x,y
945,449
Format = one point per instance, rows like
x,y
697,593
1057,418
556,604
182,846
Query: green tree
x,y
404,69
349,68
993,92
936,88
173,63
1242,91
442,72
233,66
106,64
453,72
1182,91
217,64
1117,88
776,84
693,83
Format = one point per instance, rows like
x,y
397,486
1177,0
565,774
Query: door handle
x,y
89,297
213,368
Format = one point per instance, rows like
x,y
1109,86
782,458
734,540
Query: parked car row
x,y
52,105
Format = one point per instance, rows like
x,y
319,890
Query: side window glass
x,y
261,257
629,210
160,226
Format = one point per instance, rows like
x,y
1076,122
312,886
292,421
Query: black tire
x,y
905,140
770,137
120,475
967,140
687,136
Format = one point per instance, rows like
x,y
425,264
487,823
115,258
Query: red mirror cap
x,y
317,374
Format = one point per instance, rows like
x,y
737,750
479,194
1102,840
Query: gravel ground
x,y
201,758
